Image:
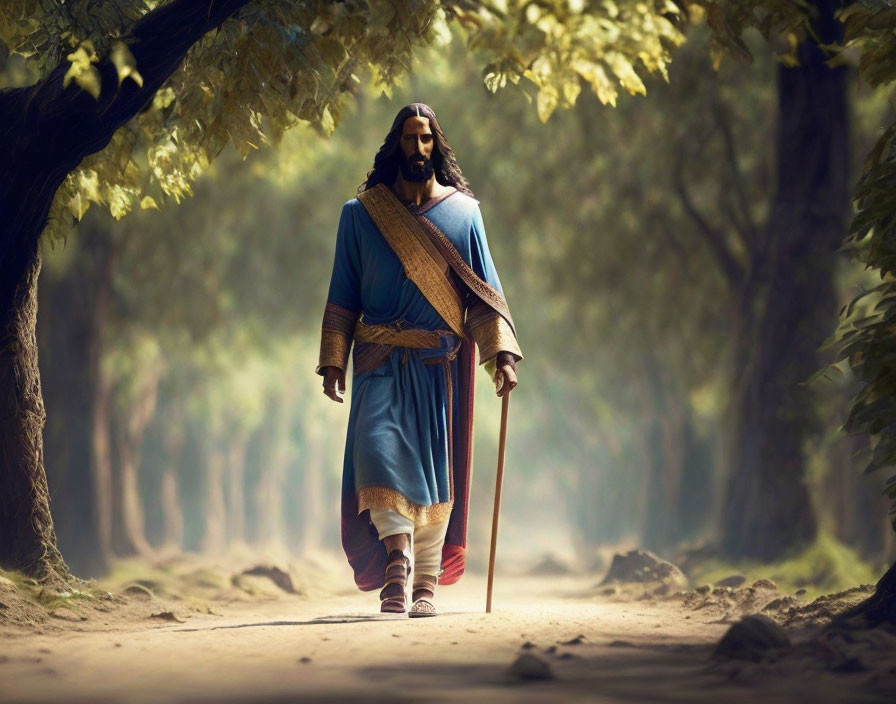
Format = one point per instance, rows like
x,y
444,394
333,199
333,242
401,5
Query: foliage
x,y
558,44
825,566
783,23
275,65
280,63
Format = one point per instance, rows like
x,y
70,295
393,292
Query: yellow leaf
x,y
90,80
89,185
82,71
149,202
327,123
571,90
546,102
625,72
78,205
163,98
120,201
125,64
601,84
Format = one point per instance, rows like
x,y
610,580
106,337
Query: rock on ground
x,y
753,638
644,566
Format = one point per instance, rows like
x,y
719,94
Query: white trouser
x,y
426,541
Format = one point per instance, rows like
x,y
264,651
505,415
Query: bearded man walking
x,y
414,287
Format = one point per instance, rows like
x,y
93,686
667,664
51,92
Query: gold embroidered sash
x,y
422,262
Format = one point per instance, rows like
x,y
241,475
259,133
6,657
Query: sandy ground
x,y
337,648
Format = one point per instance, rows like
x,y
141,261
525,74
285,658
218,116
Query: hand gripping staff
x,y
505,402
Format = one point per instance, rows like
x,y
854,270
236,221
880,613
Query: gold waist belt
x,y
395,336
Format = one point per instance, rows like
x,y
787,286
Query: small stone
x,y
800,592
733,581
704,589
528,645
765,584
275,574
578,640
777,604
552,649
753,638
138,590
531,667
166,616
609,591
643,566
620,644
304,659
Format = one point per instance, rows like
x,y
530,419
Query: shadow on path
x,y
320,621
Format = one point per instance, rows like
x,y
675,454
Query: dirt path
x,y
335,648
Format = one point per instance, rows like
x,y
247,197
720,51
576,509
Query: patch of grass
x,y
824,567
50,599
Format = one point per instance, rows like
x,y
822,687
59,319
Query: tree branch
x,y
744,224
728,263
46,130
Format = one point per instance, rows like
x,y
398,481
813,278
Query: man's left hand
x,y
505,376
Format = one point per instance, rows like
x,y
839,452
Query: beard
x,y
416,169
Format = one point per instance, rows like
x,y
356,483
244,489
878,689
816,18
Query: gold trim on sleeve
x,y
491,332
381,497
337,330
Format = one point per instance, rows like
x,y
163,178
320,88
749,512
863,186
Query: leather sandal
x,y
424,591
392,597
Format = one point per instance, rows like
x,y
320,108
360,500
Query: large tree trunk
x,y
27,537
45,131
788,310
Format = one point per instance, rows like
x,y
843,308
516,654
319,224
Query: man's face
x,y
416,147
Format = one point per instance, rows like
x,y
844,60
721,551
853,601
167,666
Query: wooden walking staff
x,y
498,482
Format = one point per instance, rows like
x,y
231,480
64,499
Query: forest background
x,y
669,396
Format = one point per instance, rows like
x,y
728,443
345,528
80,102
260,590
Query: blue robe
x,y
398,428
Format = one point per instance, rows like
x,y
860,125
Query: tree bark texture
x,y
45,132
788,309
27,536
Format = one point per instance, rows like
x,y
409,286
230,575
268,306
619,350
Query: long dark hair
x,y
385,163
